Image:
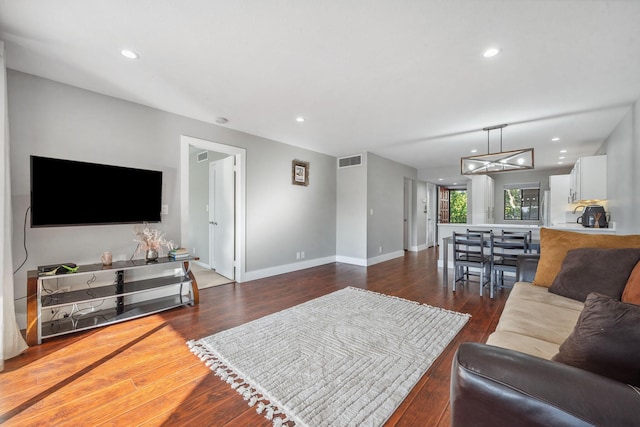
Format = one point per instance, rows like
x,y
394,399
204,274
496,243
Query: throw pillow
x,y
554,245
587,270
606,340
631,291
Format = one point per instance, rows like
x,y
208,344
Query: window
x,y
522,202
458,206
453,206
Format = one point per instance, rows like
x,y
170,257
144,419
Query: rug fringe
x,y
243,388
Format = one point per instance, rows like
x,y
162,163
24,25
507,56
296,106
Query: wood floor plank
x,y
141,372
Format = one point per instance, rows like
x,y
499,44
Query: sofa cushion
x,y
535,321
606,340
554,245
631,291
524,344
587,270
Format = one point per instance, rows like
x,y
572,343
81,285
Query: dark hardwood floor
x,y
141,372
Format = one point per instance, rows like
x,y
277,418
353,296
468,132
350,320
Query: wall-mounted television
x,y
68,192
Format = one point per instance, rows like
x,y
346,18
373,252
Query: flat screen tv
x,y
67,192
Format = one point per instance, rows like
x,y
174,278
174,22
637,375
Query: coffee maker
x,y
593,216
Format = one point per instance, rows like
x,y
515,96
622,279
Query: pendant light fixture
x,y
501,161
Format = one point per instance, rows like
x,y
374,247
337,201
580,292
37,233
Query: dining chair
x,y
472,250
506,248
528,235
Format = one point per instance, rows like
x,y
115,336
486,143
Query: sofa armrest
x,y
493,386
526,267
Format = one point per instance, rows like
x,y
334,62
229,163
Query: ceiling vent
x,y
203,156
346,162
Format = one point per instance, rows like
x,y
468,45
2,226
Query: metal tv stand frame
x,y
125,299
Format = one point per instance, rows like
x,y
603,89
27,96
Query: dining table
x,y
446,241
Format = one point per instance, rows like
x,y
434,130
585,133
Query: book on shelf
x,y
179,256
179,253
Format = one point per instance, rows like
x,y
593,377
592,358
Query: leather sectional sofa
x,y
512,381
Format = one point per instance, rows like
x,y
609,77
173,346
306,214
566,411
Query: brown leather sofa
x,y
495,386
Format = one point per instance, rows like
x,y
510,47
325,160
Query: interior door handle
x,y
213,223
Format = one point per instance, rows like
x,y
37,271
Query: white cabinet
x,y
482,199
589,179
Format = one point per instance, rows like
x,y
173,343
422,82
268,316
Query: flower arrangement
x,y
150,239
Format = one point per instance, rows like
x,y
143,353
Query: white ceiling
x,y
403,79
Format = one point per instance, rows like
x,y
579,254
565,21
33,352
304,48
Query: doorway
x,y
238,155
221,217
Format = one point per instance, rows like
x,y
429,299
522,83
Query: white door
x,y
407,214
221,217
432,206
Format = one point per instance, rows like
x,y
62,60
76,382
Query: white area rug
x,y
345,359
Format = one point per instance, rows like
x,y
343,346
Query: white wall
x,y
56,120
623,179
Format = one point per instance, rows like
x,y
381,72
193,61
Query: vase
x,y
151,255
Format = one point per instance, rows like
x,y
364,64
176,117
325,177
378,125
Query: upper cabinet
x,y
482,199
589,179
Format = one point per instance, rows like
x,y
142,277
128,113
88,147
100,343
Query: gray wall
x,y
351,213
521,177
47,118
623,179
385,195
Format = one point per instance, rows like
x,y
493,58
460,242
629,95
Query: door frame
x,y
240,155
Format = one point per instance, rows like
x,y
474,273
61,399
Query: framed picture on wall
x,y
300,173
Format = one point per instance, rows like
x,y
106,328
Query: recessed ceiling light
x,y
455,183
561,158
129,54
474,151
560,163
299,119
440,179
555,138
563,151
491,52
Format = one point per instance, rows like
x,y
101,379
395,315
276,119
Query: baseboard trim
x,y
353,261
418,248
287,268
385,257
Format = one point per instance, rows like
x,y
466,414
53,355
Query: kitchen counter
x,y
567,226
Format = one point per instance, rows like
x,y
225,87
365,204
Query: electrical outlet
x,y
380,249
302,254
164,209
297,255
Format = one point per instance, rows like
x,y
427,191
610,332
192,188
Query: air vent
x,y
203,156
346,162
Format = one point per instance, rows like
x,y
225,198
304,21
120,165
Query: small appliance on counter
x,y
594,216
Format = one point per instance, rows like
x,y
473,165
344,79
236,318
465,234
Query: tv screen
x,y
66,192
